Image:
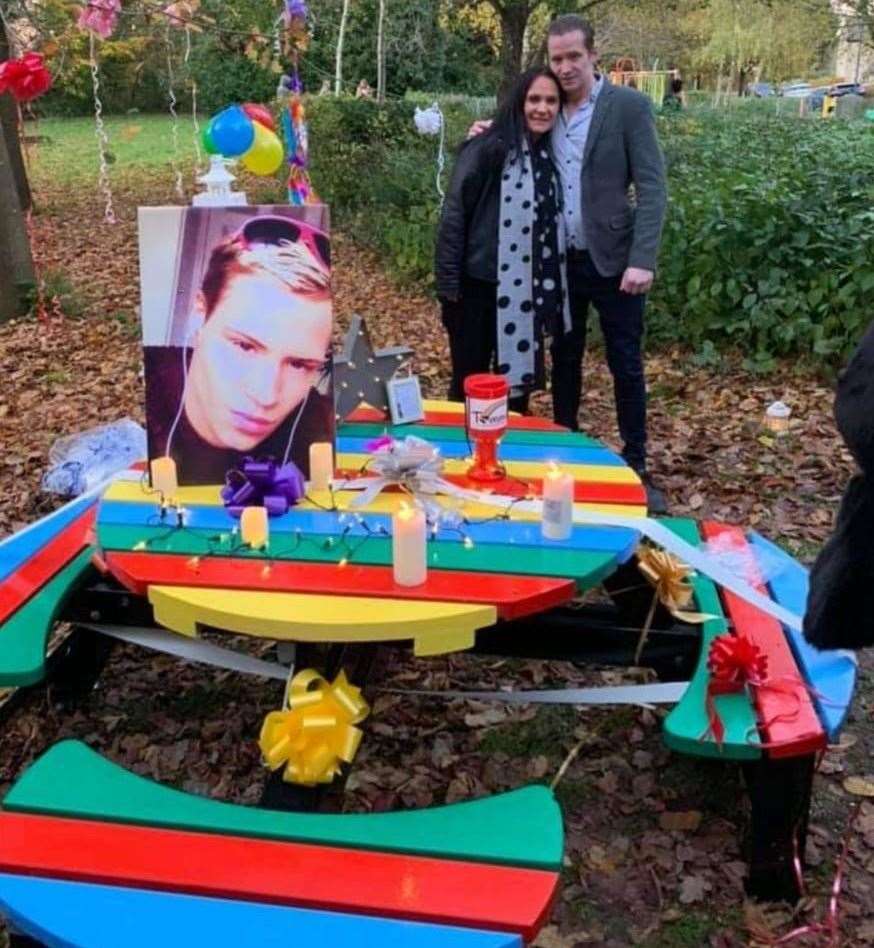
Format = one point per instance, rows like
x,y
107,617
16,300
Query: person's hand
x,y
478,127
636,281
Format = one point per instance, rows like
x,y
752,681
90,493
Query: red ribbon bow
x,y
26,77
734,662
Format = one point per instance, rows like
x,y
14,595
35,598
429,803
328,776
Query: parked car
x,y
796,90
760,90
846,88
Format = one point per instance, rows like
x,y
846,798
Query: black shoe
x,y
656,502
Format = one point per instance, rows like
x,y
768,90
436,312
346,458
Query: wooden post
x,y
338,62
380,54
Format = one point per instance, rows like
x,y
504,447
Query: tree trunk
x,y
338,62
16,263
9,123
380,54
514,18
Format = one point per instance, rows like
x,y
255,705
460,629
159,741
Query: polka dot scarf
x,y
532,297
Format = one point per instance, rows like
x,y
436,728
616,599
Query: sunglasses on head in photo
x,y
274,230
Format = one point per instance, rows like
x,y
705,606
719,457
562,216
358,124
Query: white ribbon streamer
x,y
102,138
703,562
668,692
192,650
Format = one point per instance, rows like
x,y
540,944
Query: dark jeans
x,y
621,317
471,325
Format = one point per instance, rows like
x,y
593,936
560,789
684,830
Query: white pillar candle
x,y
409,547
558,504
321,465
164,479
254,528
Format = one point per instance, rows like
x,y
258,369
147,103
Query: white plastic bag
x,y
79,462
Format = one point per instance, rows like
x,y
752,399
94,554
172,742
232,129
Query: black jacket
x,y
467,238
840,604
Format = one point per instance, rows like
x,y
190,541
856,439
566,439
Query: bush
x,y
769,238
379,175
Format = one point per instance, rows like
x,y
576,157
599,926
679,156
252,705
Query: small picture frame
x,y
405,400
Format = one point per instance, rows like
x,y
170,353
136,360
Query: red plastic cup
x,y
486,421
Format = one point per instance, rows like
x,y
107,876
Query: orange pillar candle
x,y
254,528
164,478
409,546
321,465
558,504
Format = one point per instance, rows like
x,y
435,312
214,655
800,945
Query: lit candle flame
x,y
554,471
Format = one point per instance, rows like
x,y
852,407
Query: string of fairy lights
x,y
230,543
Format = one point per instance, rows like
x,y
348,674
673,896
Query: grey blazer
x,y
622,149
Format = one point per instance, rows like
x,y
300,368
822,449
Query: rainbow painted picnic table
x,y
327,577
326,574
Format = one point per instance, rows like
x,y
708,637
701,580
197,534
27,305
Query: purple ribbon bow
x,y
263,484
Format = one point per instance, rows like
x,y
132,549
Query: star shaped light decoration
x,y
360,373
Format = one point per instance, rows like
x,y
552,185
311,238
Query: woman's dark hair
x,y
508,132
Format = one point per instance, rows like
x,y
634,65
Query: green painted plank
x,y
521,828
688,719
24,635
585,567
437,433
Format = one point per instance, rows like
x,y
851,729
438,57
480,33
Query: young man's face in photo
x,y
255,359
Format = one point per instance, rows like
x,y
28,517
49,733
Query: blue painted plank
x,y
328,523
507,452
20,547
832,674
87,915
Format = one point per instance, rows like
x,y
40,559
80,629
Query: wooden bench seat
x,y
816,688
77,820
39,569
63,914
774,731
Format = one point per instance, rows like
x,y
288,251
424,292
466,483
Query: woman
x,y
500,245
256,380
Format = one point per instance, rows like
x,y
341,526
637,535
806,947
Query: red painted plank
x,y
584,491
456,420
787,720
34,573
371,883
513,596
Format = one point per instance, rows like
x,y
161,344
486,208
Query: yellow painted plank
x,y
386,502
437,404
435,627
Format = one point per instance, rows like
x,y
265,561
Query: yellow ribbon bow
x,y
317,731
669,578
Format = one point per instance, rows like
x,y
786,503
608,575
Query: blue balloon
x,y
232,131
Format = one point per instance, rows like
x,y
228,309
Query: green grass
x,y
691,931
544,734
67,149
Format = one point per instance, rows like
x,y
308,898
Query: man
x,y
604,142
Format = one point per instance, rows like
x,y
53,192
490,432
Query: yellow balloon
x,y
265,155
